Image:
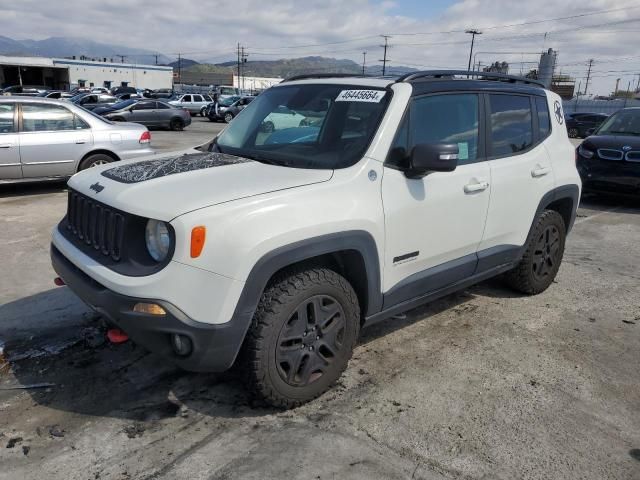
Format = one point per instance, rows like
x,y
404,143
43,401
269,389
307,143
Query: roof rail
x,y
501,77
320,75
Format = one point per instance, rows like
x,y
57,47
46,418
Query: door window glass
x,y
6,118
144,106
197,98
186,98
161,106
511,127
46,118
544,121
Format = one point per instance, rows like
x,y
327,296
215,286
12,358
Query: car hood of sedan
x,y
166,187
616,142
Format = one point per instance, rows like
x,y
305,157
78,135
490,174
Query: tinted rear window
x,y
511,124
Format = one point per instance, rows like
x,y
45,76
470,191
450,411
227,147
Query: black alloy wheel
x,y
310,340
546,254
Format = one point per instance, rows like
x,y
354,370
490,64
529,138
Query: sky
x,y
424,34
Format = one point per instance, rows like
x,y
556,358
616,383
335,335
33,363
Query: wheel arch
x,y
97,152
564,200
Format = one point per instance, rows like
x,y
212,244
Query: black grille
x,y
96,225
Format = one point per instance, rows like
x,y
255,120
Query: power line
x,y
534,22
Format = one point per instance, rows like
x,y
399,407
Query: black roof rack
x,y
320,75
435,74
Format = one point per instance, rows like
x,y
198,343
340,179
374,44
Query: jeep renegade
x,y
273,248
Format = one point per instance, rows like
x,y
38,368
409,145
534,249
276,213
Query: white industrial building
x,y
65,73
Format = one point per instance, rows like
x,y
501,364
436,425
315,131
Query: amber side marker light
x,y
149,309
198,236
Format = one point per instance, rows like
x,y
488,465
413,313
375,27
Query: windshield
x,y
227,102
307,126
622,123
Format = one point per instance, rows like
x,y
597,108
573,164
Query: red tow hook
x,y
59,282
115,335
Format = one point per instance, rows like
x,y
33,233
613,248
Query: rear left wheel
x,y
302,337
228,117
176,124
541,260
94,161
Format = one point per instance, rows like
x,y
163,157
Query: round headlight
x,y
157,239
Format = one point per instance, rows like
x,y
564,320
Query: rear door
x,y
9,143
52,140
521,172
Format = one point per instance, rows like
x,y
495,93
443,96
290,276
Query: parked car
x,y
282,117
55,94
93,100
42,138
225,91
227,108
609,159
116,106
151,113
579,123
100,90
24,90
276,254
128,96
193,102
119,90
162,93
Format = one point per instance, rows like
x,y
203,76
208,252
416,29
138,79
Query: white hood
x,y
163,188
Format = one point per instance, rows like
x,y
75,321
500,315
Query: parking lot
x,y
481,384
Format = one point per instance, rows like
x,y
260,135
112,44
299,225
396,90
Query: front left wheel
x,y
302,337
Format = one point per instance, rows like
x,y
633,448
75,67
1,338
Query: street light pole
x,y
473,33
364,61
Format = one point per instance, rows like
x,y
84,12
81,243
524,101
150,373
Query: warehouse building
x,y
68,73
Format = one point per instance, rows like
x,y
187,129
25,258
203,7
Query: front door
x,y
9,143
434,224
52,140
143,112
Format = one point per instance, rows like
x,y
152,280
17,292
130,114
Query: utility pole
x,y
156,55
243,60
238,64
122,57
586,85
638,84
384,59
615,91
473,33
180,69
626,95
364,62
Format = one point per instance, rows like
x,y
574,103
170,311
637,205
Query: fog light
x,y
181,344
149,309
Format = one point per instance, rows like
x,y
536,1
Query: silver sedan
x,y
43,138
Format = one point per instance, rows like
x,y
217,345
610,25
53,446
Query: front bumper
x,y
215,347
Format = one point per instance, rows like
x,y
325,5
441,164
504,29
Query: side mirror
x,y
432,157
590,131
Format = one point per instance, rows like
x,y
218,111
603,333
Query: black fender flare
x,y
571,192
359,241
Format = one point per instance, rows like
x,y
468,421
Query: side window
x,y
186,98
511,126
145,106
544,120
46,118
161,106
198,98
6,118
80,124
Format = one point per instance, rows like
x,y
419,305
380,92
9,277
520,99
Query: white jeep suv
x,y
272,249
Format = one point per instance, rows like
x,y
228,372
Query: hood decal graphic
x,y
150,169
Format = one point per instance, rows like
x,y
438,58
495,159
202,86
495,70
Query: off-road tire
x,y
278,305
95,160
538,267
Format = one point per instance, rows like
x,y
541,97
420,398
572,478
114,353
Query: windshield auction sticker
x,y
373,96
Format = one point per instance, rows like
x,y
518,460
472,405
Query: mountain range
x,y
77,46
